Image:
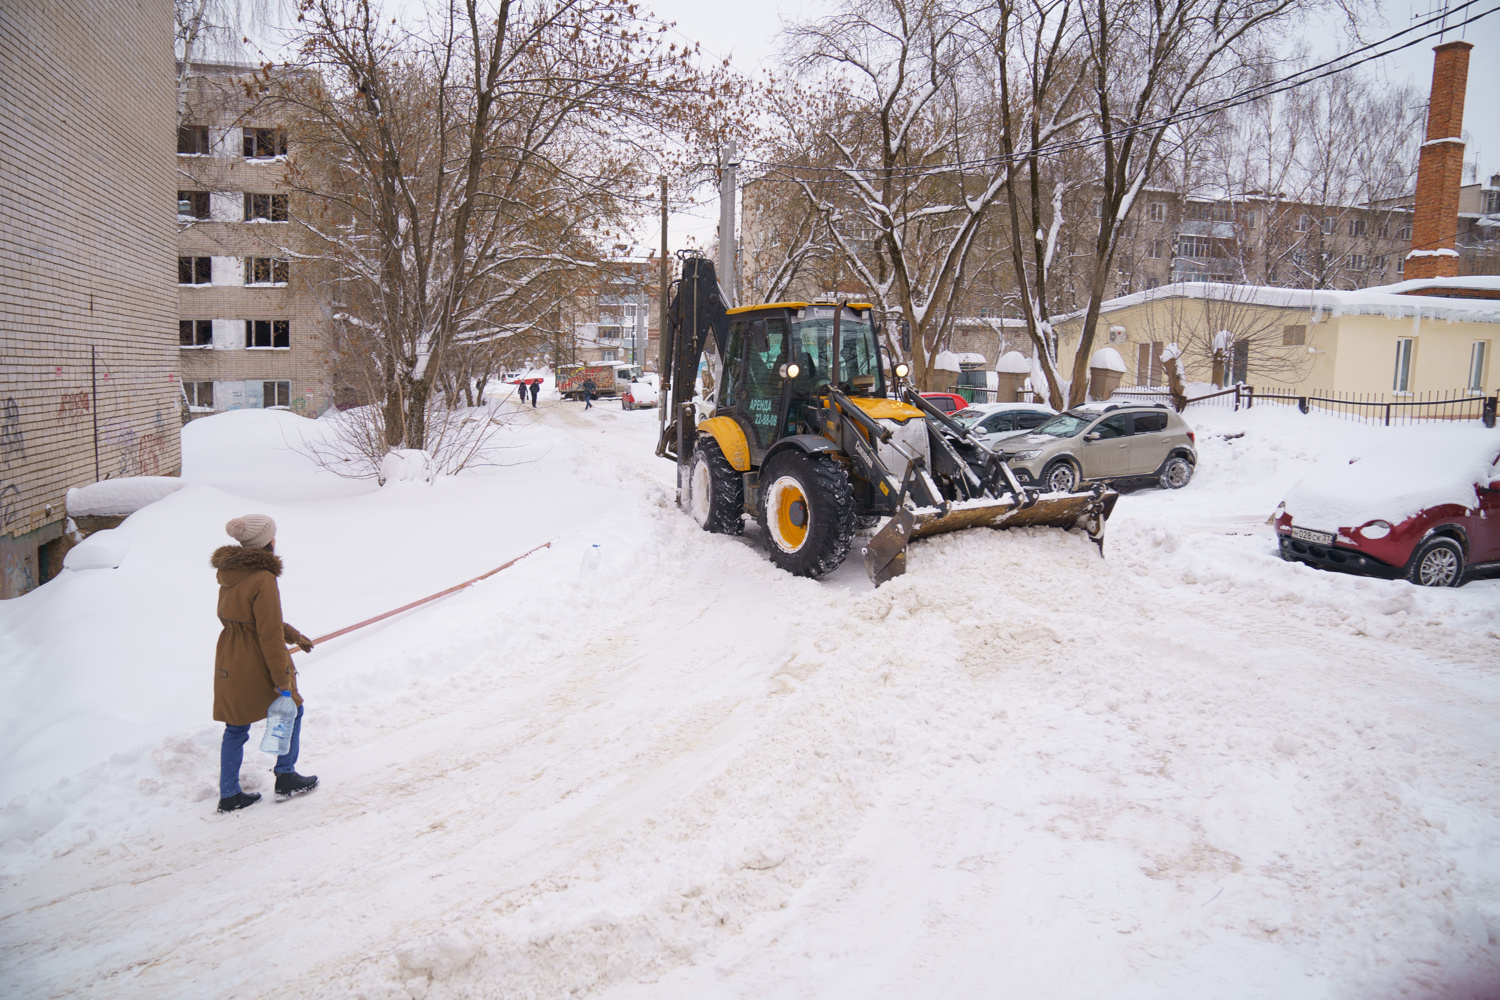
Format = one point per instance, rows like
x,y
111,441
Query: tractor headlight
x,y
790,371
1026,456
902,370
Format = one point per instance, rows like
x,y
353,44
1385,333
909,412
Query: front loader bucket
x,y
885,554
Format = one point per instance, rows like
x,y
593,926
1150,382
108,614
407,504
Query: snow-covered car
x,y
638,396
1425,507
996,420
1109,442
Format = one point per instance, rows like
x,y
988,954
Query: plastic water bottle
x,y
280,718
590,562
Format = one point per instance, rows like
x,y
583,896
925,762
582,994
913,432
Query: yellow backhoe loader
x,y
782,411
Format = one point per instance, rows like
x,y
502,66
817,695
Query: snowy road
x,y
1186,770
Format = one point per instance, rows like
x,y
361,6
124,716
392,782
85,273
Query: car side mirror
x,y
982,431
1092,436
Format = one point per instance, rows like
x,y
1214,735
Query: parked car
x,y
995,420
1425,508
1110,442
638,396
948,402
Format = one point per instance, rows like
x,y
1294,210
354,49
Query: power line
x,y
1258,92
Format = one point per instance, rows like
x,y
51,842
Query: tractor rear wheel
x,y
716,494
807,511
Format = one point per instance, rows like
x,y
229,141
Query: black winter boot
x,y
238,800
288,785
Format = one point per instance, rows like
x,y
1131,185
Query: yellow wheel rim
x,y
790,514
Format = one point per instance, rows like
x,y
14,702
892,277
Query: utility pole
x,y
726,223
666,277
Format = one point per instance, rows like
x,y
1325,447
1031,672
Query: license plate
x,y
1316,537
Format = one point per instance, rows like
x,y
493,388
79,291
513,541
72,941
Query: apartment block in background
x,y
88,348
250,321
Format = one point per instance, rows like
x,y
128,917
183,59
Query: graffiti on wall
x,y
12,437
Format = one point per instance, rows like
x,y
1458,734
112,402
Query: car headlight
x,y
901,370
1026,456
1376,529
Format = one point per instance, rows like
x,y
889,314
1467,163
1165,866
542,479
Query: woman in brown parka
x,y
252,666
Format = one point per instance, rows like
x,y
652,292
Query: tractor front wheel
x,y
807,511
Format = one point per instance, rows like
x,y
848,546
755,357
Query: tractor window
x,y
812,340
761,401
733,366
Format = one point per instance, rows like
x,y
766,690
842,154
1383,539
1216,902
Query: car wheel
x,y
716,493
1439,562
1176,474
1061,476
807,511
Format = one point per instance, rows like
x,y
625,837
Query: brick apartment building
x,y
250,321
88,353
618,319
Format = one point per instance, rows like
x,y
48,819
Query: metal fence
x,y
1369,408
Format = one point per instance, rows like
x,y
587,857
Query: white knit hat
x,y
253,531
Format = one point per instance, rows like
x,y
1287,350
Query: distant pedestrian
x,y
521,393
536,390
589,389
252,666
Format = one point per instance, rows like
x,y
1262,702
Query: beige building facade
x,y
251,318
88,342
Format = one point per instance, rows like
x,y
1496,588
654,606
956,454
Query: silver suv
x,y
1104,441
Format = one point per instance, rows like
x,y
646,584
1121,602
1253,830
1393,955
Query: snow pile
x,y
406,465
946,361
1013,363
1108,359
1421,467
114,497
101,550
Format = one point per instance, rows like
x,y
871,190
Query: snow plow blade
x,y
885,553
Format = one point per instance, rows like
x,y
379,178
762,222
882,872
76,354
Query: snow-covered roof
x,y
953,361
1322,303
1013,363
1475,283
1108,359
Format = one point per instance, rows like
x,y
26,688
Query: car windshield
x,y
969,417
1065,425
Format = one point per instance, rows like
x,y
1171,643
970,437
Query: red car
x,y
1425,508
948,402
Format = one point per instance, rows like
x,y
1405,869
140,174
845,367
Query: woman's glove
x,y
305,644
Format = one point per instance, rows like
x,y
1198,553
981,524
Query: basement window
x,y
268,333
267,270
194,270
195,333
192,204
264,143
192,140
265,207
275,394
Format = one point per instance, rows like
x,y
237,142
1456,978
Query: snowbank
x,y
113,497
405,465
101,550
1420,467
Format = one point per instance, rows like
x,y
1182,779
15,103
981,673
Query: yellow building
x,y
1412,337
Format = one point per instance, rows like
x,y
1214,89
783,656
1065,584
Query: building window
x,y
1491,202
275,394
1250,219
1356,227
1402,381
192,140
1197,246
1477,356
1357,262
267,270
610,355
1304,223
195,333
989,312
264,143
1158,249
199,395
192,204
1385,230
1294,335
1404,233
267,207
1223,279
268,333
1378,263
1400,265
1158,211
1328,223
194,270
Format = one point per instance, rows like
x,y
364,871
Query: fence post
x,y
1250,392
1388,414
1236,397
1302,404
1489,411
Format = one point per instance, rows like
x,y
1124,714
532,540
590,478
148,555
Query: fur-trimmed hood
x,y
232,557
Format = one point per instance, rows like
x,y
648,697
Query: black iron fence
x,y
1370,408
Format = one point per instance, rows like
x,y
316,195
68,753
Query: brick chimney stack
x,y
1434,227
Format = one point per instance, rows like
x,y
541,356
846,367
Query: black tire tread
x,y
829,493
729,491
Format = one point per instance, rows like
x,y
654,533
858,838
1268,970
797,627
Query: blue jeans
x,y
232,754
